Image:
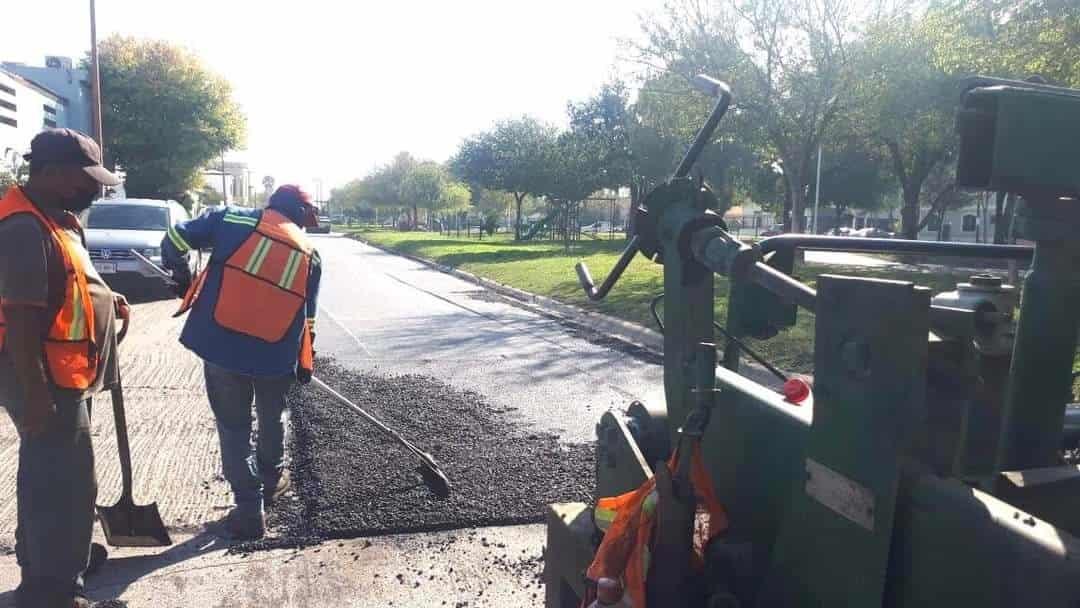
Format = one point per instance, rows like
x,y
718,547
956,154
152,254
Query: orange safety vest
x,y
71,356
264,284
628,522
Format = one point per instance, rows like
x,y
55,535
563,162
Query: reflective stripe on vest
x,y
70,353
264,282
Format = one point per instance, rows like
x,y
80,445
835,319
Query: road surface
x,y
379,313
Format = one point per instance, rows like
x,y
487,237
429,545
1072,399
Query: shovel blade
x,y
129,525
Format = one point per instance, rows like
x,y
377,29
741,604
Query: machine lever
x,y
586,279
722,93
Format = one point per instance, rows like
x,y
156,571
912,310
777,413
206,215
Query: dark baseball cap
x,y
70,147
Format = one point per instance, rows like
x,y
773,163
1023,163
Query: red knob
x,y
796,390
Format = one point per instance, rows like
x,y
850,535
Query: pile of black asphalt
x,y
349,480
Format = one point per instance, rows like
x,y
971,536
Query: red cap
x,y
796,390
293,196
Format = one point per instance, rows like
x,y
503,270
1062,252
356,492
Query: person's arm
x,y
24,291
24,345
314,279
185,237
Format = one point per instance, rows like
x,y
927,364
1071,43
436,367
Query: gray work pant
x,y
56,491
230,396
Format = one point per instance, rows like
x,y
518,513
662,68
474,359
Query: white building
x,y
25,109
239,189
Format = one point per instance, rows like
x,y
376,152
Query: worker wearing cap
x,y
57,348
252,314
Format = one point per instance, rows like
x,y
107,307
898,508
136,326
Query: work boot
x,y
242,526
273,490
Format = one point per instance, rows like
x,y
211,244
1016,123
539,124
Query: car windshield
x,y
128,217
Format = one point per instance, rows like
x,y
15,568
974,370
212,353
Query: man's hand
x,y
123,309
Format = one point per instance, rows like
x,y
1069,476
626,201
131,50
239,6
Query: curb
x,y
605,324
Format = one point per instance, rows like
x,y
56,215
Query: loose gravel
x,y
349,480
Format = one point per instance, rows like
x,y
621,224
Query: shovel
x,y
126,524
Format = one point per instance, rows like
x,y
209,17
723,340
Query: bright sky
x,y
333,87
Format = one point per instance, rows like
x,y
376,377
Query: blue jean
x,y
245,469
56,489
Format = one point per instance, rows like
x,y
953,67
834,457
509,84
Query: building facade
x,y
67,82
35,98
25,109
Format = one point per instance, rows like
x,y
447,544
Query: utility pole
x,y
817,189
224,188
95,82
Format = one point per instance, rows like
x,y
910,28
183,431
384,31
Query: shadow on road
x,y
119,573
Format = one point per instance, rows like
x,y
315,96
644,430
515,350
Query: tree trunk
x,y
909,213
785,215
518,198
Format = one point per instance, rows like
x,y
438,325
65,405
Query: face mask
x,y
78,202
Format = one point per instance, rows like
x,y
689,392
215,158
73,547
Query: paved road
x,y
380,313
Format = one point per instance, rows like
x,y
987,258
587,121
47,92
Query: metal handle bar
x,y
713,88
586,279
790,242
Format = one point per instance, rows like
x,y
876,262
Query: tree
x,y
605,121
510,157
423,187
268,183
1013,38
852,177
208,196
350,198
906,100
382,187
165,115
787,60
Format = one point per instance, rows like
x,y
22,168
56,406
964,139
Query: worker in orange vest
x,y
252,316
57,348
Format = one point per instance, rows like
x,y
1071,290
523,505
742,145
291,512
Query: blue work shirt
x,y
224,230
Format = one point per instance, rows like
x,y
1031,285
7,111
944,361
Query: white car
x,y
322,228
116,226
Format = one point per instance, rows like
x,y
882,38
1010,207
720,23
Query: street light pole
x,y
817,189
95,81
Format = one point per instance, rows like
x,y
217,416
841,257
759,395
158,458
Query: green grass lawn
x,y
547,269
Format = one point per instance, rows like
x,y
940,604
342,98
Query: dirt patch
x,y
349,480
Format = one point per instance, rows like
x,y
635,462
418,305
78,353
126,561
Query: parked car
x,y
774,230
872,233
600,226
114,227
839,231
323,227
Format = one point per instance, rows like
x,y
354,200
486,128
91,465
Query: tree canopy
x,y
165,115
513,156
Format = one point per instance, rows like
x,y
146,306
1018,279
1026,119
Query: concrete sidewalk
x,y
488,567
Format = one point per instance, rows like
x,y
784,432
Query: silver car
x,y
116,226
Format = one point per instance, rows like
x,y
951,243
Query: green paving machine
x,y
926,468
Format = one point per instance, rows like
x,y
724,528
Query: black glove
x,y
303,376
180,288
181,282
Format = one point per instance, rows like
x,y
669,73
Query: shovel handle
x,y
122,445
